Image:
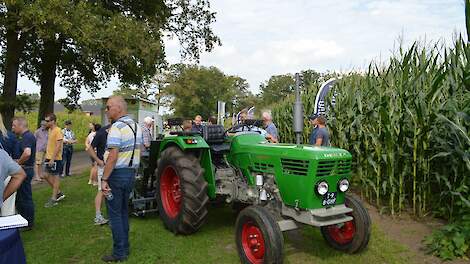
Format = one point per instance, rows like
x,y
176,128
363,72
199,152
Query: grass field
x,y
66,234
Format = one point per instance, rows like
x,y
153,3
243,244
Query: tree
x,y
196,90
309,77
278,86
91,102
87,42
13,37
127,91
243,97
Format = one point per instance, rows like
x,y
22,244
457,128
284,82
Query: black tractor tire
x,y
338,236
183,209
258,236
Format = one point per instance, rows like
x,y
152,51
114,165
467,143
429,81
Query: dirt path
x,y
410,233
80,162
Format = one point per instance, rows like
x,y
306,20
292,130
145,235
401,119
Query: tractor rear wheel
x,y
353,236
258,237
181,191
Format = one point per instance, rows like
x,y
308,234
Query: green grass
x,y
66,234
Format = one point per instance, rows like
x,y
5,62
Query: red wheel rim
x,y
342,233
253,243
170,192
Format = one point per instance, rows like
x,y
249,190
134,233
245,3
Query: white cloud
x,y
263,38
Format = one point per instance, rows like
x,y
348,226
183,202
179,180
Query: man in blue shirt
x,y
319,135
271,129
27,142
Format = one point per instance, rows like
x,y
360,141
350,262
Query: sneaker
x,y
51,203
89,182
100,220
60,196
111,258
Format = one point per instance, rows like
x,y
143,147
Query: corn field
x,y
407,125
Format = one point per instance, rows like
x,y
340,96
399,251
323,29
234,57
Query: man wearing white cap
x,y
147,130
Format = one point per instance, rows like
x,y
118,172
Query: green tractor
x,y
278,187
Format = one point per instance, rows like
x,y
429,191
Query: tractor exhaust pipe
x,y
298,112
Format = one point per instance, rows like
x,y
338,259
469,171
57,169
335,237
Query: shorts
x,y
100,176
40,157
57,171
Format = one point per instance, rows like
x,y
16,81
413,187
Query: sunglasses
x,y
47,120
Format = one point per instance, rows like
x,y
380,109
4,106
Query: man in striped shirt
x,y
124,146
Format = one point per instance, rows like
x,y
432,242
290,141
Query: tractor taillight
x,y
190,141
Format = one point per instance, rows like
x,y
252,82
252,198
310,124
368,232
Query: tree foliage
x,y
281,86
87,42
196,90
278,86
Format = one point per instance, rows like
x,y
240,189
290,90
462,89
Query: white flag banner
x,y
320,100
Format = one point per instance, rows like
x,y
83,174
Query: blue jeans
x,y
67,158
121,182
24,198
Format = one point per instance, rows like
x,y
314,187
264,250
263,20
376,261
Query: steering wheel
x,y
234,128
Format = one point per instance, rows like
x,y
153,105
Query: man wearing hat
x,y
319,135
69,140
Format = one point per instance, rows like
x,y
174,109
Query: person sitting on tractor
x,y
212,120
197,124
271,129
247,125
187,126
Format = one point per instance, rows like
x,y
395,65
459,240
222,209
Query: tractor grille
x,y
263,167
295,167
333,167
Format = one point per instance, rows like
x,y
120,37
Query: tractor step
x,y
286,225
144,212
144,199
319,217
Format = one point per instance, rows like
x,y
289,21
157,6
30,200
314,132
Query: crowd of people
x,y
115,151
318,137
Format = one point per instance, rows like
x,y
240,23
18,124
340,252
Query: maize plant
x,y
407,124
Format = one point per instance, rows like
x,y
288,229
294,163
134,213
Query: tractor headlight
x,y
343,185
322,188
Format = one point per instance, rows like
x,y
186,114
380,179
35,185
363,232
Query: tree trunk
x,y
50,58
15,45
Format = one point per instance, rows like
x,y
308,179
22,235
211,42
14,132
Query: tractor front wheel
x,y
353,236
181,191
258,237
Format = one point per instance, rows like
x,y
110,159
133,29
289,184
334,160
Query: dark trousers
x,y
24,197
67,158
121,182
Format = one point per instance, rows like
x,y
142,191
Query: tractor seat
x,y
214,135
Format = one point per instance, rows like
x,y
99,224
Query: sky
x,y
270,37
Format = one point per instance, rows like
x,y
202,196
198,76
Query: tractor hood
x,y
256,144
296,168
